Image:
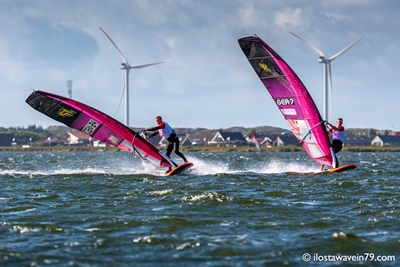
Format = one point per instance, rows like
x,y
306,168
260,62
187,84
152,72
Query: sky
x,y
208,82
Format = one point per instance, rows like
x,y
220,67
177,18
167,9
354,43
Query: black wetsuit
x,y
173,141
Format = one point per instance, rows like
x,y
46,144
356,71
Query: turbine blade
x,y
119,51
310,45
347,48
149,64
120,98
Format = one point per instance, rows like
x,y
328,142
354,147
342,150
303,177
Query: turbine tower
x,y
127,67
69,88
327,71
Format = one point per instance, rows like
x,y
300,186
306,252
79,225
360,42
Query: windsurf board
x,y
342,168
179,169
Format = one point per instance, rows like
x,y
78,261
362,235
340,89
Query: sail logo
x,y
289,111
90,127
63,112
285,102
113,139
264,67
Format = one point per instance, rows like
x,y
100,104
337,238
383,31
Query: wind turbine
x,y
127,67
327,71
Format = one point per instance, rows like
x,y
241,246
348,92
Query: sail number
x,y
285,102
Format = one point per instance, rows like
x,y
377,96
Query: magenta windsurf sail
x,y
256,142
291,97
95,124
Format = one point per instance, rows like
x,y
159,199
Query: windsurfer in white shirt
x,y
165,130
337,138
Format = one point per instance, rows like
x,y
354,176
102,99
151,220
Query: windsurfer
x,y
337,137
166,131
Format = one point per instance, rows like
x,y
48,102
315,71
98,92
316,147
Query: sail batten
x,y
96,124
291,97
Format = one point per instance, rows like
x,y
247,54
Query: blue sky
x,y
208,83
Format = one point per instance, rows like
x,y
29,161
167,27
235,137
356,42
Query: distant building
x,y
80,138
155,140
49,141
386,140
190,139
267,141
200,139
235,138
164,142
286,139
7,139
357,141
98,143
184,140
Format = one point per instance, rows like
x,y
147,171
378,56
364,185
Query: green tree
x,y
252,132
23,136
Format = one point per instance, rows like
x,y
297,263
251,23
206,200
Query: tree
x,y
252,132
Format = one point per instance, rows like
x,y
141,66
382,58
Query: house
x,y
357,141
63,141
200,139
98,143
80,138
184,140
286,139
267,141
155,140
262,141
49,141
386,140
191,139
235,138
7,139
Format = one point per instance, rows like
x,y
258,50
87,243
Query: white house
x,y
80,138
386,140
228,138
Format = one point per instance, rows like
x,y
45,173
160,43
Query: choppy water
x,y
234,209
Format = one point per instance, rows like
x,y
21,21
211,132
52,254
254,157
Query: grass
x,y
201,149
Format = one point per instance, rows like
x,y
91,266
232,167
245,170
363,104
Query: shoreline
x,y
213,149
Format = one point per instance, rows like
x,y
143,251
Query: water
x,y
234,209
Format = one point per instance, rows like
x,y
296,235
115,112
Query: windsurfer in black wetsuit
x,y
337,138
166,131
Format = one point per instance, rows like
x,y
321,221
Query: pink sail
x,y
256,142
95,124
291,97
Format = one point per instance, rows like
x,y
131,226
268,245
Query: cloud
x,y
248,17
46,43
288,17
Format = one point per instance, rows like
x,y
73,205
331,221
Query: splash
x,y
200,167
204,164
124,167
204,167
284,167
